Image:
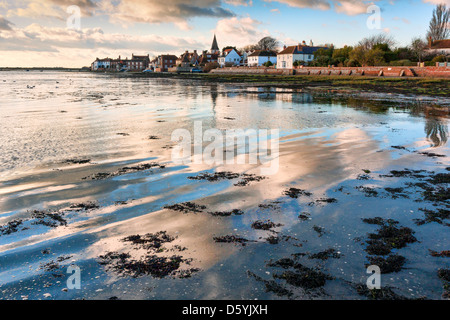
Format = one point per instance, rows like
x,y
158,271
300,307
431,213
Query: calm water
x,y
48,118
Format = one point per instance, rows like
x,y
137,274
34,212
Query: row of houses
x,y
136,63
229,56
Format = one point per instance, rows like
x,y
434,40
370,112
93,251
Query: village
x,y
267,57
210,59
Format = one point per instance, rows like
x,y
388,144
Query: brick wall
x,y
431,72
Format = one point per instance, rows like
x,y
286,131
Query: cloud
x,y
245,3
447,2
38,38
52,8
313,4
127,12
5,24
239,32
349,7
156,11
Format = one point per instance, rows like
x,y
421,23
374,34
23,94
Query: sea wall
x,y
429,72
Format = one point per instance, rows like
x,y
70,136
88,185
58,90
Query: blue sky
x,y
35,32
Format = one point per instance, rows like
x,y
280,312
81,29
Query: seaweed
x,y
186,207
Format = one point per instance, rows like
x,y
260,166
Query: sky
x,y
48,33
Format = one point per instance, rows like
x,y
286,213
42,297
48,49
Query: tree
x,y
267,44
439,24
365,57
248,48
370,42
210,66
418,48
341,56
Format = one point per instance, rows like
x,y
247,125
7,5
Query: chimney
x,y
430,41
284,47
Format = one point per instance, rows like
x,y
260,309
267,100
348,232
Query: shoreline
x,y
438,87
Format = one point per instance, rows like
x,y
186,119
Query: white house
x,y
300,52
440,47
259,57
101,64
229,57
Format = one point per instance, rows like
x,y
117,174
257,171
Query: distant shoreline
x,y
43,69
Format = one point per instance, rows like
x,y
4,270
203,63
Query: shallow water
x,y
50,117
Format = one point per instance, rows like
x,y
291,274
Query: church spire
x,y
214,46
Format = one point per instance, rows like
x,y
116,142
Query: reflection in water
x,y
437,131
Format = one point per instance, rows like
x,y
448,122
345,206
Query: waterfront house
x,y
207,57
101,64
165,61
439,47
191,57
300,52
136,63
229,57
260,57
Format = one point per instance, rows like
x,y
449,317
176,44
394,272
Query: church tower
x,y
214,46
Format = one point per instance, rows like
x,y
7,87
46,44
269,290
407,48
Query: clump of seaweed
x,y
186,207
272,286
149,241
236,212
445,253
49,219
227,175
304,216
368,191
388,237
326,254
216,176
384,293
438,215
124,170
300,276
150,263
393,263
232,239
10,227
77,161
265,225
319,230
295,193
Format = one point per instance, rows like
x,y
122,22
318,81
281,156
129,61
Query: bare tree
x,y
418,47
247,48
370,42
267,43
439,24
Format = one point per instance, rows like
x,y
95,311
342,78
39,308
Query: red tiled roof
x,y
441,44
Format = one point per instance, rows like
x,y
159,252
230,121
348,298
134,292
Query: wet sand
x,y
86,178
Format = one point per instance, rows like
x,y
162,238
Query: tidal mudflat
x,y
87,180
